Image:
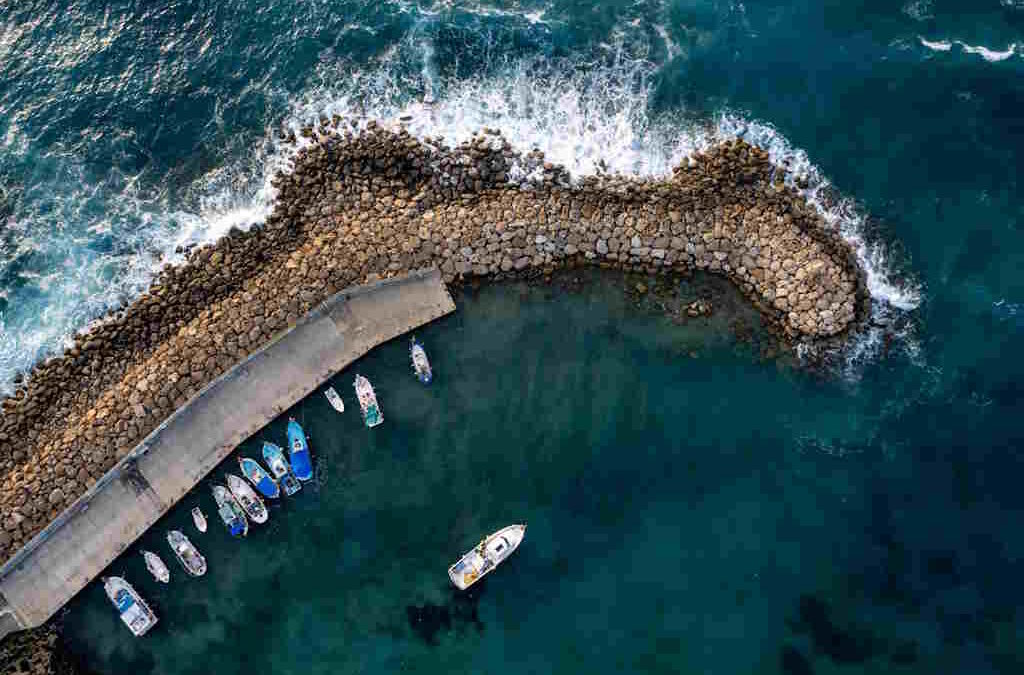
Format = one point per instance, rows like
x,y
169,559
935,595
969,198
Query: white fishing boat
x,y
156,567
420,363
368,402
335,399
199,518
188,555
134,611
486,556
247,499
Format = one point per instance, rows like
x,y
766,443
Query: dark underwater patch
x,y
427,621
792,662
842,644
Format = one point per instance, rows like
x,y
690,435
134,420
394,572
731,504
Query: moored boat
x,y
247,499
335,399
368,402
134,611
486,556
188,555
299,457
260,479
156,567
230,512
199,518
420,363
273,455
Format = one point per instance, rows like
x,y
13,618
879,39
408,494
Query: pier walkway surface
x,y
49,570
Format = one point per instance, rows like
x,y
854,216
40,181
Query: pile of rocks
x,y
377,203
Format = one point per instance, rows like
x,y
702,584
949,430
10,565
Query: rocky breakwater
x,y
365,204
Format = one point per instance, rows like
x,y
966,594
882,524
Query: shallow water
x,y
674,524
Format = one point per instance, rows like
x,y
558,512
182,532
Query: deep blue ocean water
x,y
883,496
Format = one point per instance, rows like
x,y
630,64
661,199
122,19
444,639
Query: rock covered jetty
x,y
375,203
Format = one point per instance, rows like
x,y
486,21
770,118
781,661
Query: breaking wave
x,y
589,114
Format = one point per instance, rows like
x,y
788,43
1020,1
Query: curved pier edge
x,y
87,536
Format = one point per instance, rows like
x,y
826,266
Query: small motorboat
x,y
156,567
188,555
134,611
199,518
299,457
273,455
420,363
230,512
335,398
260,479
368,402
487,555
247,499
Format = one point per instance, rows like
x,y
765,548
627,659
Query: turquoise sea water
x,y
741,517
690,508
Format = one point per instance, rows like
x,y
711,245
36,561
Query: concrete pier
x,y
56,564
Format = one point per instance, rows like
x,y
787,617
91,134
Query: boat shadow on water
x,y
458,613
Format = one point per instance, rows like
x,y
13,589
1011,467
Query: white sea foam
x,y
990,55
936,45
587,116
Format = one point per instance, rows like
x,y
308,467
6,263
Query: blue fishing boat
x,y
299,455
273,455
230,512
260,479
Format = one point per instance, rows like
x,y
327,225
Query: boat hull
x,y
199,519
367,397
259,478
299,456
231,514
335,399
273,455
187,554
134,612
420,363
156,567
486,556
250,502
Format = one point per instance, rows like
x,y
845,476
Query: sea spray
x,y
589,113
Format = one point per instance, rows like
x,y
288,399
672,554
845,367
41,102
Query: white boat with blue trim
x,y
132,609
420,362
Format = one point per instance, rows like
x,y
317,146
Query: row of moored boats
x,y
240,502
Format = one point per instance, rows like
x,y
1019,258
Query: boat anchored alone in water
x,y
247,499
486,556
156,567
134,611
230,512
335,398
420,363
273,455
260,479
199,518
301,461
188,555
368,402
